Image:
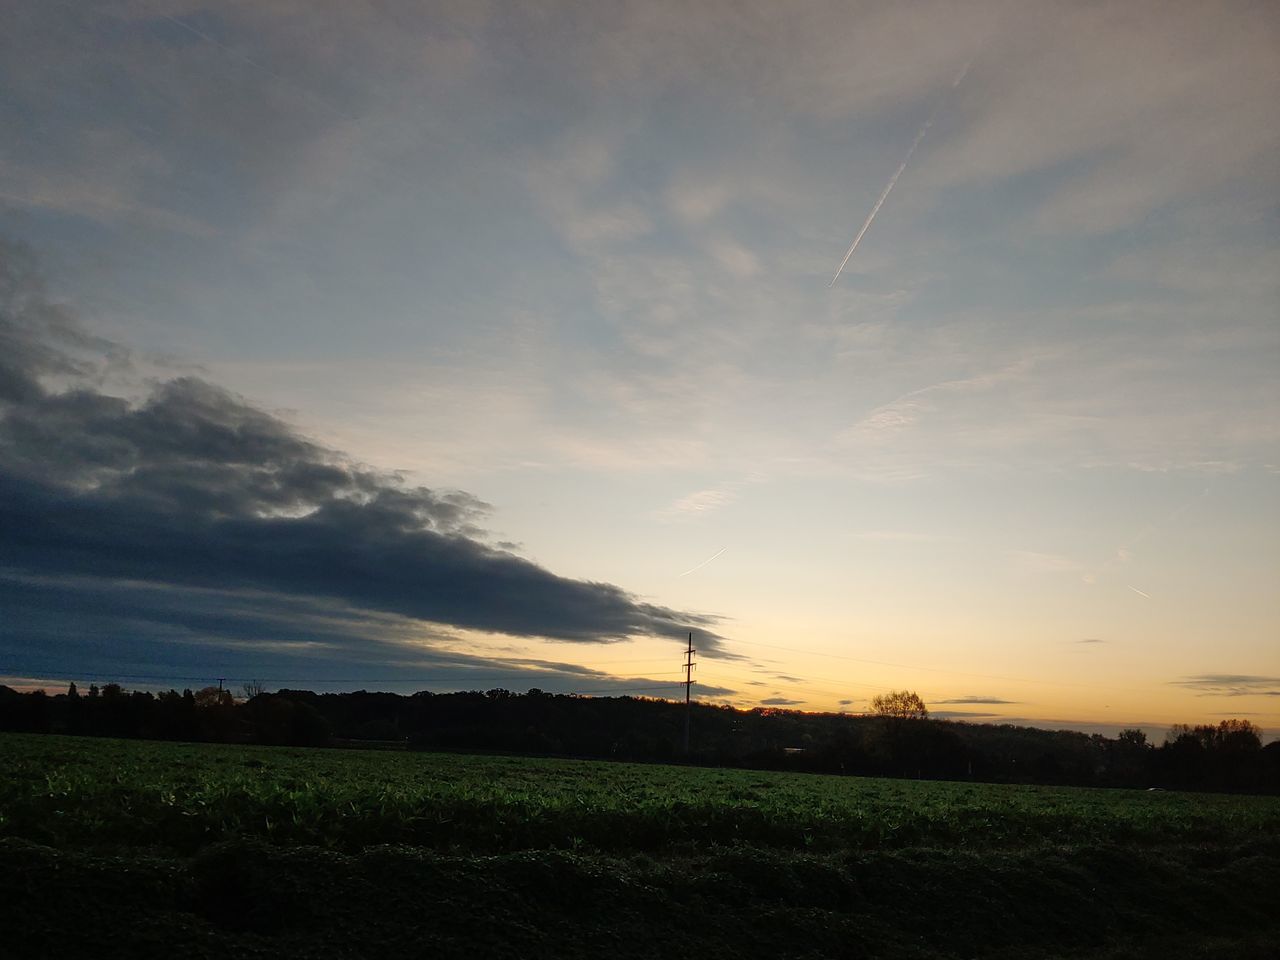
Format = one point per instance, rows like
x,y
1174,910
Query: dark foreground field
x,y
116,848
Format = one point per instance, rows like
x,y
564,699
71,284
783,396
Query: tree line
x,y
899,740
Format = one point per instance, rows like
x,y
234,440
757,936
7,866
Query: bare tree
x,y
252,689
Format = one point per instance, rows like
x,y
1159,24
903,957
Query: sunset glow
x,y
456,349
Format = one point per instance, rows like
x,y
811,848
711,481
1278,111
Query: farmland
x,y
232,851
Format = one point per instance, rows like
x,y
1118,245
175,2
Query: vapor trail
x,y
245,58
894,179
704,562
1139,592
220,45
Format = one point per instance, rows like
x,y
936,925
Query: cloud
x,y
193,488
1231,685
734,258
1046,562
700,503
165,634
697,504
292,128
898,415
779,702
976,699
1089,640
996,402
1096,99
899,536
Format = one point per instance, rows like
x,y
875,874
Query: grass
x,y
74,792
261,851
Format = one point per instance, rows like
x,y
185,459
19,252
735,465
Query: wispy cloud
x,y
1092,100
905,411
708,500
1231,685
1046,562
697,503
976,699
899,536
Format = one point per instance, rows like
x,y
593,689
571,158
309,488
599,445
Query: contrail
x,y
894,179
704,562
1123,552
220,45
1139,592
245,58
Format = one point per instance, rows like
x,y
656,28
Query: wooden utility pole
x,y
688,689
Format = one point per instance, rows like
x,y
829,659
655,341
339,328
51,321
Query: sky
x,y
463,345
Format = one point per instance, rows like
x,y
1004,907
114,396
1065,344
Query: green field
x,y
228,851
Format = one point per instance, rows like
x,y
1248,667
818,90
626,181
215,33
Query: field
x,y
136,848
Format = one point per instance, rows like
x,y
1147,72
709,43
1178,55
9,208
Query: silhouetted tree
x,y
213,697
1238,736
1128,759
901,704
897,742
38,715
279,719
1132,738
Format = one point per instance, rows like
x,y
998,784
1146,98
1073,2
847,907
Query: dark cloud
x,y
39,338
1231,685
1088,640
975,699
779,702
963,715
158,635
193,489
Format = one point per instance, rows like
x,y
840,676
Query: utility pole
x,y
688,688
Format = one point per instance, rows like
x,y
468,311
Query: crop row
x,y
64,791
